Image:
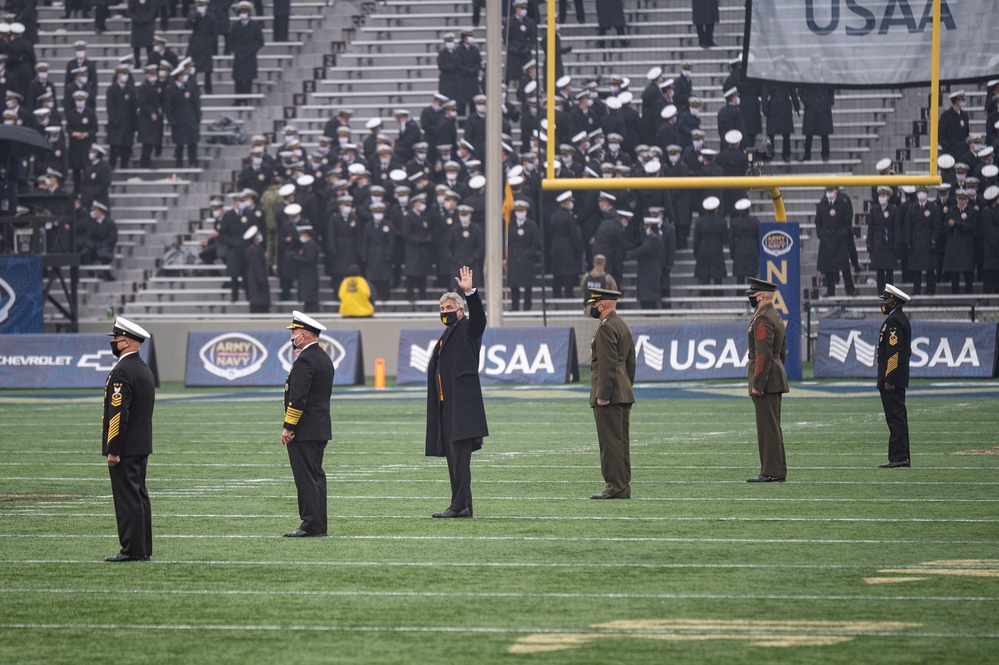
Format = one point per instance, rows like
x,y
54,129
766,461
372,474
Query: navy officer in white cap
x,y
127,440
307,427
893,373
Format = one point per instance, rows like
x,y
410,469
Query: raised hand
x,y
465,279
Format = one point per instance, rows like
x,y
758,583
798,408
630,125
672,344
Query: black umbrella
x,y
26,137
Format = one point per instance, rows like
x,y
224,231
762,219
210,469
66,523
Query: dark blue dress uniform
x,y
893,375
127,432
245,39
307,393
182,104
456,416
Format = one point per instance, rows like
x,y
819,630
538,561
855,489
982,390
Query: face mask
x,y
403,200
521,13
420,208
345,210
831,196
752,301
470,41
115,351
921,196
257,161
698,144
122,79
449,46
449,318
685,73
80,105
43,76
615,89
975,147
521,214
94,157
201,9
378,216
673,159
440,200
885,308
151,78
465,221
480,108
244,17
182,78
421,156
594,312
694,111
883,200
303,239
10,103
570,205
80,55
83,80
295,342
961,177
736,101
376,199
451,115
613,146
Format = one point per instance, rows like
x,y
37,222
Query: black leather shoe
x,y
763,478
904,464
298,533
121,556
452,513
605,495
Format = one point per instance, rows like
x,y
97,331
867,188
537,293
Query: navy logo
x,y
233,355
333,348
777,243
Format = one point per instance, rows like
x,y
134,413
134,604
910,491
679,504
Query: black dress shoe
x,y
465,512
763,478
121,556
298,533
904,464
605,495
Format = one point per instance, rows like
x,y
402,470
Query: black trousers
x,y
705,34
243,88
101,13
832,277
515,292
459,469
146,160
884,277
917,282
131,506
562,286
785,151
416,286
897,418
306,459
120,154
808,146
281,28
969,281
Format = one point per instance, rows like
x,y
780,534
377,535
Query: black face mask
x,y
449,318
594,312
752,301
115,351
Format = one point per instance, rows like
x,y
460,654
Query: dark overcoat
x,y
143,16
450,81
121,106
523,247
881,239
182,104
453,372
566,244
202,43
419,236
745,244
834,226
150,113
780,103
307,261
704,11
650,267
818,103
258,289
710,236
610,14
921,229
245,41
959,248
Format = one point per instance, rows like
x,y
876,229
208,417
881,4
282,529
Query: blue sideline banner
x,y
61,361
847,348
264,357
508,356
780,263
688,352
22,297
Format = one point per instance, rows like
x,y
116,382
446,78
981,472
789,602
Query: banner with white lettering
x,y
879,43
940,349
62,361
780,263
22,298
264,357
508,355
694,351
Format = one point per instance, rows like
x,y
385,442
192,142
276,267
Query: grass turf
x,y
844,563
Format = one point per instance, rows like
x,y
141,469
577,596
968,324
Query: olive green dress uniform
x,y
767,352
612,374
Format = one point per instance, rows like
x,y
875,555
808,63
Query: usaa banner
x,y
508,356
21,295
880,43
264,357
780,263
940,349
694,351
62,361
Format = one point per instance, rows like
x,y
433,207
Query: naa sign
x,y
685,352
848,348
507,356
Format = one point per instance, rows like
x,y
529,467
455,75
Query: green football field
x,y
844,563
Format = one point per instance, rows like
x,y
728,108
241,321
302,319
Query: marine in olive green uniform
x,y
612,373
767,379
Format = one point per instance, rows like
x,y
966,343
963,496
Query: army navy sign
x,y
264,357
21,295
685,352
508,355
850,43
61,361
848,348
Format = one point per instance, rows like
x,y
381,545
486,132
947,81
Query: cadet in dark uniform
x,y
465,245
523,38
523,249
650,255
258,289
955,125
142,14
920,230
307,427
960,226
744,232
882,225
767,379
834,227
893,374
818,103
81,125
122,109
456,415
96,185
149,119
182,104
307,267
612,374
730,117
203,42
246,39
127,440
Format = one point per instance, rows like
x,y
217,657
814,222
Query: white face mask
x,y
449,46
521,214
83,80
376,199
201,9
403,200
698,144
685,73
883,200
182,79
465,220
613,147
470,41
345,210
80,55
257,161
303,238
151,78
123,78
695,111
377,216
94,157
921,196
521,13
420,208
480,108
244,18
831,196
43,76
673,158
421,156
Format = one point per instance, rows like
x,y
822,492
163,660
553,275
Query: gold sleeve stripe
x,y
113,426
892,364
292,416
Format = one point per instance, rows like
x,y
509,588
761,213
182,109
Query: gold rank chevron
x,y
292,416
113,426
892,364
